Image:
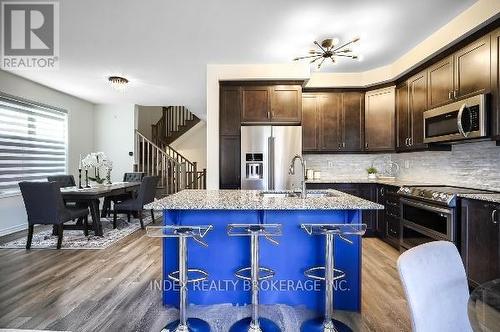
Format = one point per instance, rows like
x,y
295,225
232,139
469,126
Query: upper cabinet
x,y
417,103
472,68
379,120
256,104
310,122
276,103
463,74
286,103
440,83
495,80
353,121
230,110
332,121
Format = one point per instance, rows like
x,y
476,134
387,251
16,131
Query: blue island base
x,y
296,252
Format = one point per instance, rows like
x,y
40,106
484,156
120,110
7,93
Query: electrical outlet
x,y
330,164
407,164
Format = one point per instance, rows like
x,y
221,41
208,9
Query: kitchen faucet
x,y
291,171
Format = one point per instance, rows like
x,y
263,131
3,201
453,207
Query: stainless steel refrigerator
x,y
266,153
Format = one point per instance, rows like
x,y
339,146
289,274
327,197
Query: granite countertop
x,y
190,199
493,197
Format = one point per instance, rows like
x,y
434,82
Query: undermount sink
x,y
279,194
310,194
320,194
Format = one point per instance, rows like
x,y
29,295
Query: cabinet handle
x,y
455,93
406,141
268,114
382,191
493,216
411,141
343,145
450,95
366,145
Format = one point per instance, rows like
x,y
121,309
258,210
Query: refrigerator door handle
x,y
270,142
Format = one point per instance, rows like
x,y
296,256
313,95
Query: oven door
x,y
423,222
457,121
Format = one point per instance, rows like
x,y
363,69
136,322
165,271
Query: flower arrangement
x,y
98,160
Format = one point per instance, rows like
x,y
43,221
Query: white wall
x,y
114,126
146,116
80,140
192,144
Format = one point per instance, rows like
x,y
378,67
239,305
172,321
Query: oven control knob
x,y
435,195
443,197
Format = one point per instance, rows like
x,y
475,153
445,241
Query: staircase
x,y
175,121
174,170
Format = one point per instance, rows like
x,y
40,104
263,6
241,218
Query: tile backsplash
x,y
471,165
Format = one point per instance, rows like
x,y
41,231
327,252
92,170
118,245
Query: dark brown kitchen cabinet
x,y
481,240
417,102
230,110
272,103
256,102
330,112
352,121
495,80
379,120
332,121
286,103
472,65
310,123
229,170
411,105
403,116
440,83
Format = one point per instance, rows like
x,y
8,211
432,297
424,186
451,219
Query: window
x,y
33,142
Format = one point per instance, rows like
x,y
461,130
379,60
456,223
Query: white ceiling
x,y
163,46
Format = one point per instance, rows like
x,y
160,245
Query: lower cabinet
x,y
480,240
388,221
229,173
364,190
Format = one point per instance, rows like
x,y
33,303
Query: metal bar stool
x,y
331,274
197,233
253,274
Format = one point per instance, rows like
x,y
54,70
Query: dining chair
x,y
45,206
127,177
145,194
435,285
63,180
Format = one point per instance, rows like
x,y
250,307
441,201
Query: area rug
x,y
75,239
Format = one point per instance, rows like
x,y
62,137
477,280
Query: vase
x,y
372,176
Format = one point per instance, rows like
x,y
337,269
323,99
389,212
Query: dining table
x,y
91,196
484,307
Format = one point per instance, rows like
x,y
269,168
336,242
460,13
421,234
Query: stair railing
x,y
153,160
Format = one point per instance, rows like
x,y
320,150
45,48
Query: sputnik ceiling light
x,y
330,49
118,82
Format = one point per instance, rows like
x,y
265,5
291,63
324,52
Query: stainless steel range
x,y
430,213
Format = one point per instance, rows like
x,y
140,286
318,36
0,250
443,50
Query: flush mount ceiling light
x,y
118,82
330,49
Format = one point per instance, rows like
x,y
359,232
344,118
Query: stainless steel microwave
x,y
457,121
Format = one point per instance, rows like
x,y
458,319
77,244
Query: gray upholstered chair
x,y
63,180
127,177
146,194
435,284
44,206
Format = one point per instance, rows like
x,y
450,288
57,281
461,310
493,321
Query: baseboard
x,y
13,229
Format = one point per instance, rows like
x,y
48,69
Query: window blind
x,y
33,142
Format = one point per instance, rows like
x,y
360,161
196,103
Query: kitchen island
x,y
296,252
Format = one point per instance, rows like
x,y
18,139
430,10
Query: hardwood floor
x,y
109,290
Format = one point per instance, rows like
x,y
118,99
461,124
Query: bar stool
x,y
180,276
253,274
331,274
